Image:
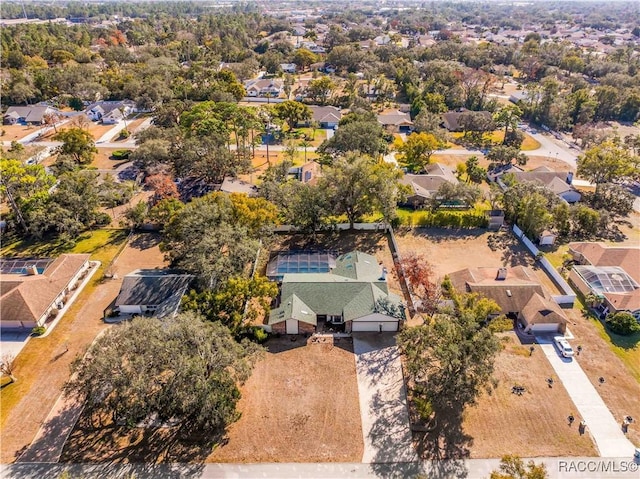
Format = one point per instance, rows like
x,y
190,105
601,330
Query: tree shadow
x,y
445,440
144,241
513,252
284,343
143,446
339,241
101,471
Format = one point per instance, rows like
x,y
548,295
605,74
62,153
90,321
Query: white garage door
x,y
544,328
292,326
374,326
130,309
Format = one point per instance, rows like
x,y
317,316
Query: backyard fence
x,y
380,226
568,297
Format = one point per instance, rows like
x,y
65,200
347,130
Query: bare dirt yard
x,y
16,132
451,250
598,358
103,160
534,423
300,405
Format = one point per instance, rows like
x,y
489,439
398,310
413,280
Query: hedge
x,y
446,219
120,154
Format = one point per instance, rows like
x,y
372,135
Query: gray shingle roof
x,y
160,288
351,290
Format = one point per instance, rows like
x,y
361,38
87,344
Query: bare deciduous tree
x,y
8,366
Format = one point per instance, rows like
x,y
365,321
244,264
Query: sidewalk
x,y
603,427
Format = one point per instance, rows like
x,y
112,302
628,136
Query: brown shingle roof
x,y
540,310
598,254
27,298
512,294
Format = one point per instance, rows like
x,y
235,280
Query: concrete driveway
x,y
605,430
383,400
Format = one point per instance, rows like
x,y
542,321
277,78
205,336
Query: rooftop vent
x,y
502,274
509,292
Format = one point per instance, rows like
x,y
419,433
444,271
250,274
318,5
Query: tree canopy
x,y
216,236
78,144
178,369
450,358
416,151
358,185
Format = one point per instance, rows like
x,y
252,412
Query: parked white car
x,y
563,346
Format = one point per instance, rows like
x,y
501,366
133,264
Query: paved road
x,y
383,400
557,467
604,428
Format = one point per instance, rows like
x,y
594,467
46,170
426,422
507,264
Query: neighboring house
x,y
110,112
234,185
518,96
307,173
352,297
396,122
264,88
27,115
33,291
557,181
519,294
313,47
611,273
423,187
326,116
451,119
153,292
113,117
288,68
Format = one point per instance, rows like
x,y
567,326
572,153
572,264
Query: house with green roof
x,y
352,297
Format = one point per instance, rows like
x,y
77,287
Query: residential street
x,y
603,427
557,467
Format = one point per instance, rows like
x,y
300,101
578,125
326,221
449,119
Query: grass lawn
x,y
98,243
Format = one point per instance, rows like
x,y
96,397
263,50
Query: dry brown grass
x,y
532,163
17,132
452,250
300,405
534,424
103,161
621,390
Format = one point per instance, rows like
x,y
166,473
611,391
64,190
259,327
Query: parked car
x,y
563,346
